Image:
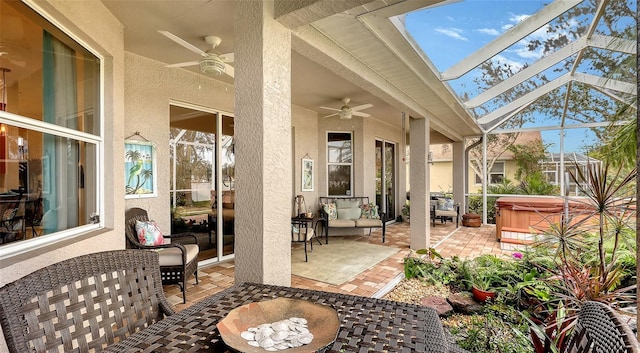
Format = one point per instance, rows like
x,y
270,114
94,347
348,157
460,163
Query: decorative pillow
x,y
445,204
149,233
330,209
9,214
370,211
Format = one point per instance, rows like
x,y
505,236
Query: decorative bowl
x,y
322,322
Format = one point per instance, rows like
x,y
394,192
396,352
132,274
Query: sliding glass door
x,y
202,179
386,177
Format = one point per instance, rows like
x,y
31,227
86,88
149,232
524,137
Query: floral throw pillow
x,y
445,204
148,233
370,211
331,210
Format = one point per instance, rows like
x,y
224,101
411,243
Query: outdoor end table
x,y
366,324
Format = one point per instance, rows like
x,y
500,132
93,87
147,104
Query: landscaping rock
x,y
464,303
440,304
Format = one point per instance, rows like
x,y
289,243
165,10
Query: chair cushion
x,y
441,213
370,211
331,210
148,233
173,256
366,222
342,223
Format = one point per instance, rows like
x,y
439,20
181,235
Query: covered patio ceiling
x,y
362,50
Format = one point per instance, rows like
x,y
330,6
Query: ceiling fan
x,y
346,112
211,61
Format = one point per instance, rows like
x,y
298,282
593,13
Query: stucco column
x,y
263,145
419,173
459,176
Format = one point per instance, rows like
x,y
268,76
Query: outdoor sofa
x,y
350,212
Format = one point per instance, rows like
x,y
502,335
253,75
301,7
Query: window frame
x,y
349,164
491,173
20,247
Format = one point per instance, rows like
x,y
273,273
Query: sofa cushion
x,y
369,211
349,213
330,209
342,223
347,203
173,256
148,233
367,222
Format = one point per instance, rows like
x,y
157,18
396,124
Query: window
x,y
496,174
339,163
49,129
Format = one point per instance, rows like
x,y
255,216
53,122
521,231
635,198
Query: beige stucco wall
x,y
88,20
305,132
149,89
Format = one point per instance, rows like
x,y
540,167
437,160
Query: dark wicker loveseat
x,y
177,261
83,304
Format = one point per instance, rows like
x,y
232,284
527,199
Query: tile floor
x,y
464,242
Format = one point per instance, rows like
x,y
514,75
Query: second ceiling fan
x,y
211,61
347,112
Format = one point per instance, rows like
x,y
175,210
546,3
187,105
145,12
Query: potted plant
x,y
406,210
483,282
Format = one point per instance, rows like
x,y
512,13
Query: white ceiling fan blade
x,y
228,57
229,70
362,107
183,42
330,115
330,108
184,64
357,113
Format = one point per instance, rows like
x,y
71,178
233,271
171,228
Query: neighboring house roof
x,y
443,152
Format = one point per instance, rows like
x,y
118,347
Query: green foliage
x,y
536,184
498,329
528,158
406,209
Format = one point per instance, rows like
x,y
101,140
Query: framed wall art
x,y
140,169
307,174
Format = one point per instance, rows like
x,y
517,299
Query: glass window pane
x,y
51,77
339,180
339,148
47,183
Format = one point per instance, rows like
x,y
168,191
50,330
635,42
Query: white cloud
x,y
506,27
518,18
451,19
452,32
489,31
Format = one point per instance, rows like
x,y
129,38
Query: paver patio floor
x,y
463,242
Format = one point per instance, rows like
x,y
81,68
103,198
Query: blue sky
x,y
450,33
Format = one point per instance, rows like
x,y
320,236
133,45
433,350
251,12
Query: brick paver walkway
x,y
464,242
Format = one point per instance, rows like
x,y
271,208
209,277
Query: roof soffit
x,y
369,37
314,45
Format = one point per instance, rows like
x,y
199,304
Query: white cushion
x,y
441,213
342,223
368,222
173,256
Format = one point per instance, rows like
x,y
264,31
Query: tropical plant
x,y
585,268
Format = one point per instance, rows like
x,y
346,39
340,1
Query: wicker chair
x,y
83,304
599,329
177,261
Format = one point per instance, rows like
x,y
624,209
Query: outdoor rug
x,y
339,261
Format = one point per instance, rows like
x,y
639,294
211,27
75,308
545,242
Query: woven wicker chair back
x,y
83,304
600,329
131,216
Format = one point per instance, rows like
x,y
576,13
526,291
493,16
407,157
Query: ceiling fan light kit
x,y
212,64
